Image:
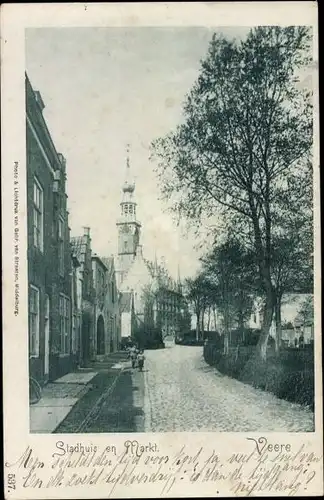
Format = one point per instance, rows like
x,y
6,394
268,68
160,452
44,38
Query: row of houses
x,y
73,310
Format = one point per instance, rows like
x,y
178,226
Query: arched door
x,y
100,335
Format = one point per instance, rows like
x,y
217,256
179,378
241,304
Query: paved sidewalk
x,y
58,399
113,404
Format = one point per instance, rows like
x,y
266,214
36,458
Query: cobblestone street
x,y
183,393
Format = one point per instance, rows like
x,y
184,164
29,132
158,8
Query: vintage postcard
x,y
161,250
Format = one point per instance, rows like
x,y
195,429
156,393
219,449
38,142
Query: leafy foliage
x,y
244,148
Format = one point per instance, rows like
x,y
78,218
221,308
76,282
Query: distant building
x,y
127,314
76,298
101,339
107,320
81,250
292,325
150,300
112,299
48,254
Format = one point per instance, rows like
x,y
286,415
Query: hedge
x,y
289,375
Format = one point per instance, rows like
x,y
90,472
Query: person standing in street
x,y
133,356
140,360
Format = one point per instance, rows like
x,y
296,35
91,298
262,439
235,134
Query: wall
x,y
42,161
126,324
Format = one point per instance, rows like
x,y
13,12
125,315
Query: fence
x,y
289,375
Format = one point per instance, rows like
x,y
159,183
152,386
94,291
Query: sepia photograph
x,y
170,229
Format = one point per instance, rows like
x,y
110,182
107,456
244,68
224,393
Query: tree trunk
x,y
226,328
226,344
278,323
208,321
241,323
266,323
264,259
215,318
197,326
203,322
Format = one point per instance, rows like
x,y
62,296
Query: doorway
x,y
100,335
86,330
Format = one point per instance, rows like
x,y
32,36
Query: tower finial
x,y
127,153
129,185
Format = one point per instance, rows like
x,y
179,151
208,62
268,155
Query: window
x,y
34,322
126,209
61,246
64,325
130,209
38,215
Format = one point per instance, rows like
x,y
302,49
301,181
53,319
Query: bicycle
x,y
35,391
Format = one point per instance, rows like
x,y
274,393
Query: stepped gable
x,y
109,263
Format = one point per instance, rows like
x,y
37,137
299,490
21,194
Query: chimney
x,y
86,231
62,161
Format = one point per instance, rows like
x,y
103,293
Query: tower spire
x,y
129,185
127,157
179,284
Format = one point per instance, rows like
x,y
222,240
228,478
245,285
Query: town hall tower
x,y
128,227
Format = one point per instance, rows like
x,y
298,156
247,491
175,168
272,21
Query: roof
x,y
108,261
100,260
78,245
125,301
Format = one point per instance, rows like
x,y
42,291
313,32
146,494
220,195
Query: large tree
x,y
201,293
292,240
247,125
231,269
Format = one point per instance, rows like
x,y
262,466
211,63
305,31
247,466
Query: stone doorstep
x,y
56,402
61,390
46,419
48,413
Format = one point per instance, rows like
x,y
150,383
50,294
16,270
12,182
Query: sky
x,y
104,88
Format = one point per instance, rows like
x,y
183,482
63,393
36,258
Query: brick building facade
x,y
48,254
112,305
81,250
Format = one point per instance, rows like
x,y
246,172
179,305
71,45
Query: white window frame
x,y
65,324
34,349
38,215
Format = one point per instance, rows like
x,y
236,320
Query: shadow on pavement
x,y
116,412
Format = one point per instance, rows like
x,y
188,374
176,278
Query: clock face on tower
x,y
126,229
